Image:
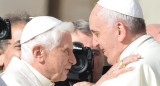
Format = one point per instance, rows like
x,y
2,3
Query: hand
x,y
117,69
84,83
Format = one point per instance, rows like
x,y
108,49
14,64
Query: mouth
x,y
103,50
68,68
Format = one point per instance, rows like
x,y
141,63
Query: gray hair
x,y
15,18
135,25
83,26
49,40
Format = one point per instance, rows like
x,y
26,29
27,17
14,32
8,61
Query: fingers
x,y
119,68
130,59
121,65
124,70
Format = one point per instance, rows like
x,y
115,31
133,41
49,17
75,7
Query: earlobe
x,y
38,53
121,31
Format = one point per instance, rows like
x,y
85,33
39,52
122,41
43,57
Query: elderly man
x,y
119,29
46,54
11,47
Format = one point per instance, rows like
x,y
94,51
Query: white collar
x,y
133,46
44,81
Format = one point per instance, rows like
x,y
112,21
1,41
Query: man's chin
x,y
110,61
105,54
62,78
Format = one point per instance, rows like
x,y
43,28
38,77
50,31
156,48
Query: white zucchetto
x,y
37,26
127,7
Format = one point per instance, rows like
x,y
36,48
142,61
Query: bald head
x,y
154,30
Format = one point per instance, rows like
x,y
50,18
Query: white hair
x,y
135,25
49,39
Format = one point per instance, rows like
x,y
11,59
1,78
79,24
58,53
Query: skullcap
x,y
38,25
127,7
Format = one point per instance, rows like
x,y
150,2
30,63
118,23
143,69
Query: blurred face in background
x,y
13,45
79,36
154,30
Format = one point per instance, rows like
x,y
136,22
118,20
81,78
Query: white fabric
x,y
127,7
20,73
42,79
146,72
37,26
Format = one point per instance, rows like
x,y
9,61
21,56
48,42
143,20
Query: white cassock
x,y
20,73
147,69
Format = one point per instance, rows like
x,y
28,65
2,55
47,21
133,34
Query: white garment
x,y
146,72
20,73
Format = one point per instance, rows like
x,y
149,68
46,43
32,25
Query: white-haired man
x,y
119,29
46,54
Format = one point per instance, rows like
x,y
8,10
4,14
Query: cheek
x,y
8,54
61,70
17,53
7,58
102,41
60,64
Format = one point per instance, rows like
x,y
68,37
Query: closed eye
x,y
96,33
17,47
66,51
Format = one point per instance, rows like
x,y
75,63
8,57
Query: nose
x,y
72,59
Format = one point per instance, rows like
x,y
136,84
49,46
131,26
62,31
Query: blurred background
x,y
71,10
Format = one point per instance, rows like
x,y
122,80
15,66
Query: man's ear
x,y
120,31
1,58
38,53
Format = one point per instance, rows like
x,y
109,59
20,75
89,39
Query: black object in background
x,y
83,68
62,83
66,83
5,29
105,69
